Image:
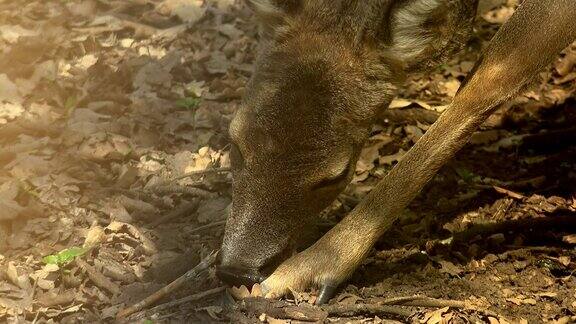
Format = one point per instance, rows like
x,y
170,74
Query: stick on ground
x,y
383,306
422,301
509,193
187,299
207,226
180,211
171,287
372,309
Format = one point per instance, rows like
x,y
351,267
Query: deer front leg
x,y
528,42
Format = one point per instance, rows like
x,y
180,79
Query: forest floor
x,y
112,111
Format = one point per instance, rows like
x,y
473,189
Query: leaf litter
x,y
103,102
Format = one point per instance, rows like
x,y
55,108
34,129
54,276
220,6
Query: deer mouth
x,y
235,275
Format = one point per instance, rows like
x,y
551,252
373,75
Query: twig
x,y
309,313
143,29
171,287
201,172
187,299
282,309
176,188
509,193
372,309
422,301
558,221
140,206
141,195
384,306
180,211
187,175
207,226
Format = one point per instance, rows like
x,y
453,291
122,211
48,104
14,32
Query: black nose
x,y
236,276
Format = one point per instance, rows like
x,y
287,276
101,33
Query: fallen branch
x,y
171,287
391,307
207,226
422,301
517,225
282,310
180,211
372,309
384,306
378,309
509,193
197,173
308,313
176,188
201,172
187,299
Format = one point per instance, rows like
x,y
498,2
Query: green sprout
x,y
188,102
65,256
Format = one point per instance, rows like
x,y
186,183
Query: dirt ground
x,y
114,177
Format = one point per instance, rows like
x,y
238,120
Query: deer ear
x,y
424,33
273,13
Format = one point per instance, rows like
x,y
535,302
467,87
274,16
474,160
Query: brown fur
x,y
324,71
544,27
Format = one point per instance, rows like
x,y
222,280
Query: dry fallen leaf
x,y
549,294
390,159
272,320
450,87
11,33
450,268
499,15
399,103
239,293
371,152
94,236
565,260
256,291
516,301
8,91
18,276
493,320
189,11
435,316
570,238
529,301
9,207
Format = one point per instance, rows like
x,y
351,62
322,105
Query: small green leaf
x,y
465,174
70,254
188,103
50,259
65,256
148,322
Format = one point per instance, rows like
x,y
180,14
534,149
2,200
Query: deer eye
x,y
333,181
